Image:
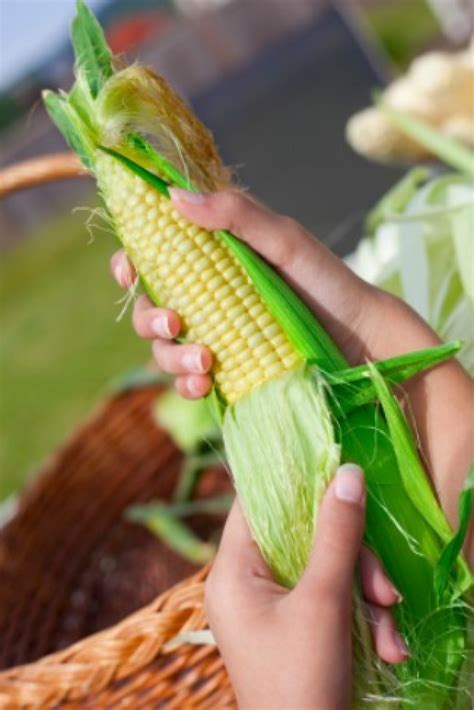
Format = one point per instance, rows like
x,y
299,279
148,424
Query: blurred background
x,y
275,81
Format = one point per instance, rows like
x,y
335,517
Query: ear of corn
x,y
291,406
196,274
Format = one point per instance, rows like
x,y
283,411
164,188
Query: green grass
x,y
60,343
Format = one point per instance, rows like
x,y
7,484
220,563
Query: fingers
x,y
182,359
388,643
122,270
378,589
151,322
338,539
193,386
191,363
330,571
376,586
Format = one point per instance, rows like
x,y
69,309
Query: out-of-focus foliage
x,y
422,251
60,344
403,28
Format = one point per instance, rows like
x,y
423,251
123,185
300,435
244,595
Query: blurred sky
x,y
30,29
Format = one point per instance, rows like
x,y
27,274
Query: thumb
x,y
239,567
338,538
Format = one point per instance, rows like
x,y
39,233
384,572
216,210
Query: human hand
x,y
364,321
293,649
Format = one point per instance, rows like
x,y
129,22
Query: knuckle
x,y
285,248
232,205
157,350
287,223
137,320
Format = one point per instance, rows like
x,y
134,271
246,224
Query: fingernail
x,y
401,645
119,273
349,483
161,327
179,195
193,361
399,597
193,387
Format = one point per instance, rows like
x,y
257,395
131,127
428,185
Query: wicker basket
x,y
74,572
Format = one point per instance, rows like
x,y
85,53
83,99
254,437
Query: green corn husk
x,y
284,439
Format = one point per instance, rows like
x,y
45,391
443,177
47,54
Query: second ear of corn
x,y
437,89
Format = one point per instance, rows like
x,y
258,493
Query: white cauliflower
x,y
437,89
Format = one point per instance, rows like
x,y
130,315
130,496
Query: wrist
x,y
395,328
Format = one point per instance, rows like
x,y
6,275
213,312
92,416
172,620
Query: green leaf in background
x,y
397,198
137,378
172,531
425,255
219,505
189,422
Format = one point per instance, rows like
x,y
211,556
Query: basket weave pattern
x,y
48,556
100,596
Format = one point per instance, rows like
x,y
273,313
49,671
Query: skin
x,y
366,323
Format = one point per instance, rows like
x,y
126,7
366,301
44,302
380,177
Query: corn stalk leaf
x,y
218,505
172,531
451,551
189,422
353,387
413,476
63,115
193,467
158,183
93,56
144,148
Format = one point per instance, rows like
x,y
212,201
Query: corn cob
x,y
287,410
193,272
